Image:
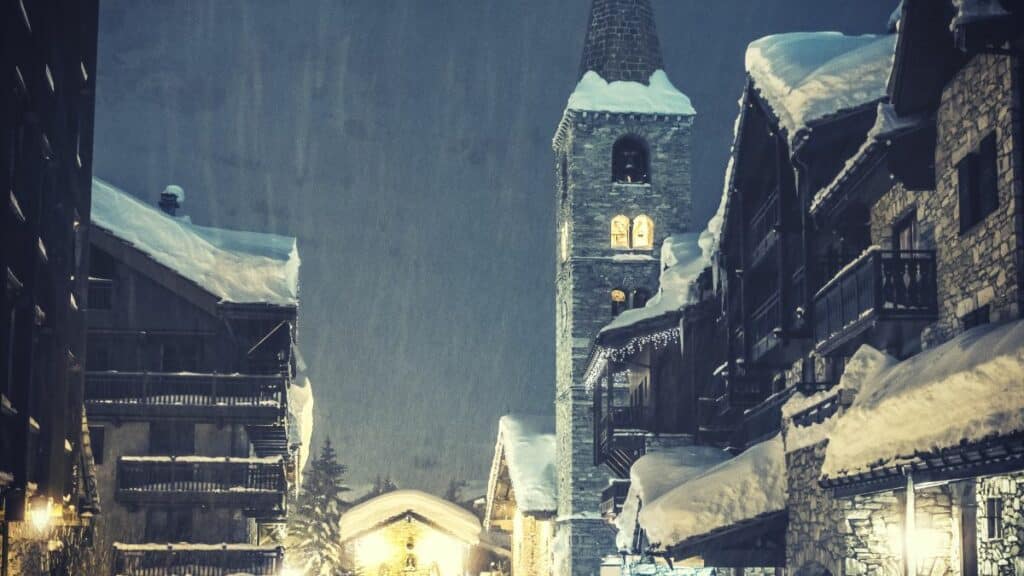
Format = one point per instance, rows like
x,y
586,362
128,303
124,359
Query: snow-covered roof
x,y
887,126
527,444
965,390
234,266
968,11
659,96
458,521
655,474
808,76
192,546
740,489
863,365
683,258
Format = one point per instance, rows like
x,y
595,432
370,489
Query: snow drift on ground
x,y
528,443
235,266
460,522
749,485
967,389
659,96
655,474
682,261
807,76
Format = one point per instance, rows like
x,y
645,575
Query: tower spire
x,y
622,43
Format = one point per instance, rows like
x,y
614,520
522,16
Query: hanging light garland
x,y
656,340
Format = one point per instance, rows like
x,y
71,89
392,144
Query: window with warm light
x,y
618,301
620,232
643,233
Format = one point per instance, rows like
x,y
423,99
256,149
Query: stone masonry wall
x,y
622,43
863,534
1003,556
982,266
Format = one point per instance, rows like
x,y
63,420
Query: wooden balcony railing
x,y
196,559
613,497
765,323
101,294
763,226
257,484
880,284
143,395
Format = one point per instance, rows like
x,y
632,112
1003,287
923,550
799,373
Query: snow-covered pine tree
x,y
313,539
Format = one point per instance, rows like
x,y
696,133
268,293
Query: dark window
x,y
978,184
565,177
180,355
97,437
977,317
629,161
172,438
994,518
101,264
904,234
97,357
101,294
640,297
168,525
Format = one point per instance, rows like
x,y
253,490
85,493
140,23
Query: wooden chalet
x,y
186,386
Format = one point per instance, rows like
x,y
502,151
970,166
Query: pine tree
x,y
314,542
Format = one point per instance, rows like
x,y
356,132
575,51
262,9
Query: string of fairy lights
x,y
604,354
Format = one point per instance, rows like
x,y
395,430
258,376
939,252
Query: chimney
x,y
171,199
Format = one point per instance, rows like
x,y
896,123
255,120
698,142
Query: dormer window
x,y
629,161
620,232
643,233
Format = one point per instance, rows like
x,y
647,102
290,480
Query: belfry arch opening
x,y
630,162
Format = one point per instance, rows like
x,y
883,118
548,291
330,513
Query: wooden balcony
x,y
881,297
144,396
256,485
612,499
618,442
765,328
196,559
764,229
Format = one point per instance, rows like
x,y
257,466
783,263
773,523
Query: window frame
x,y
631,143
626,242
635,226
978,183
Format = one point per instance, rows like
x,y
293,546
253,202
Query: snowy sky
x,y
406,143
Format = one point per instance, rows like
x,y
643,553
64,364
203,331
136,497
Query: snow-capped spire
x,y
622,43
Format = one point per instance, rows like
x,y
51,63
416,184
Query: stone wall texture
x,y
587,201
1003,556
622,43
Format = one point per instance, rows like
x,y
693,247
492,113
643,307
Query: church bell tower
x,y
622,162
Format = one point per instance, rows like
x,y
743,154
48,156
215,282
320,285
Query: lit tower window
x,y
618,301
620,232
643,233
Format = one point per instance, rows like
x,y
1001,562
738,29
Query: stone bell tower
x,y
622,161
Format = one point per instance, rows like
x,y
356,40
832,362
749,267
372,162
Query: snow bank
x,y
682,261
864,365
659,96
300,415
528,444
235,266
460,522
965,390
887,125
656,473
807,76
749,485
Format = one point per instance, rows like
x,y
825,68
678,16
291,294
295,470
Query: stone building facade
x,y
621,46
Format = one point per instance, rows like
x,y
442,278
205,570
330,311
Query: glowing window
x,y
563,243
618,301
620,232
643,233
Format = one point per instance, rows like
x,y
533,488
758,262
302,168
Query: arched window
x,y
618,302
629,161
643,233
640,297
620,232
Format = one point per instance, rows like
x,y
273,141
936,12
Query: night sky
x,y
406,143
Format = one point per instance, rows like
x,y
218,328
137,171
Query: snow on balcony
x,y
235,266
967,390
655,474
743,488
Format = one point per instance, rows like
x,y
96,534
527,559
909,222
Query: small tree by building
x,y
313,526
